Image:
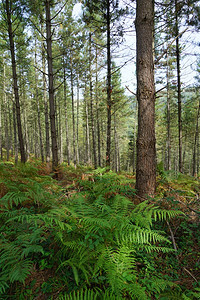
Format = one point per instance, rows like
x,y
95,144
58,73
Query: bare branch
x,y
131,91
165,51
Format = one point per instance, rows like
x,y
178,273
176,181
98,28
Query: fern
x,y
88,294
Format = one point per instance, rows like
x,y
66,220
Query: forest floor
x,y
45,222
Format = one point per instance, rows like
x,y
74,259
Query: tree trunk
x,y
51,86
194,165
15,83
91,102
5,113
168,121
38,107
66,119
15,134
77,123
60,134
178,87
108,143
146,151
1,152
134,138
97,112
116,146
46,113
87,133
73,113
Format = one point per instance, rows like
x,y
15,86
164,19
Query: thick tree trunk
x,y
146,151
178,87
91,103
15,83
108,144
51,86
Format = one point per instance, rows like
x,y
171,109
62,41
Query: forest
x,y
99,149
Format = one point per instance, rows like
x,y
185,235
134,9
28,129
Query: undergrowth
x,y
84,238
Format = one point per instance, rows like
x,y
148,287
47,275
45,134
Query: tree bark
x,y
168,121
38,106
73,110
108,143
51,87
91,102
178,88
97,113
46,113
87,132
194,165
1,152
15,133
66,119
15,82
77,123
146,151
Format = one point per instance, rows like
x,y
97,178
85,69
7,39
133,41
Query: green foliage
x,y
90,243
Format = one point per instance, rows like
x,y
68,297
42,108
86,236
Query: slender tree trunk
x,y
15,133
66,119
97,112
51,86
5,113
194,165
87,133
10,130
91,102
116,146
77,123
178,87
38,107
40,131
134,138
1,152
118,154
108,144
6,127
168,121
60,135
15,83
73,110
46,112
146,150
198,154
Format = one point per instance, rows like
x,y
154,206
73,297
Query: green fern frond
x,y
136,235
20,271
3,284
88,294
81,295
11,198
